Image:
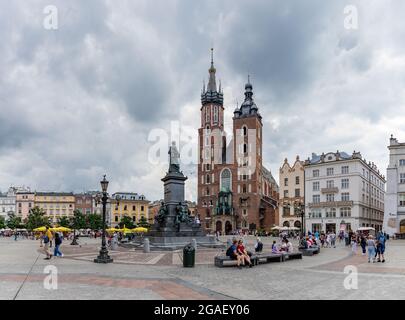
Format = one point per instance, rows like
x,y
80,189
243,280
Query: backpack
x,y
229,251
46,239
259,246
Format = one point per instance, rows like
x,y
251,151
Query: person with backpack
x,y
46,241
381,247
232,252
259,245
58,242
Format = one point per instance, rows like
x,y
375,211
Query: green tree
x,y
36,219
143,222
78,221
94,221
64,222
2,222
14,222
127,222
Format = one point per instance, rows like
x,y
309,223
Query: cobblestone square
x,y
160,275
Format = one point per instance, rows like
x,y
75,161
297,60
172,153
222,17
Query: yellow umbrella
x,y
40,229
61,229
110,230
126,230
140,229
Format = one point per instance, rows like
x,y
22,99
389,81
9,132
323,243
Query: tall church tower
x,y
247,132
210,147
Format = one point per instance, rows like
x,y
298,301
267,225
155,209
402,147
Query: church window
x,y
245,131
244,148
226,180
207,114
216,114
207,180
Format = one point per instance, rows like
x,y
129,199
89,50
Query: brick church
x,y
235,190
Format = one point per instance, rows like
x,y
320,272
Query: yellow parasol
x,y
61,229
111,230
140,229
40,229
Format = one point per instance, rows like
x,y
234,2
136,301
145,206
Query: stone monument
x,y
174,227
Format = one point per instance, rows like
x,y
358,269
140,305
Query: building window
x,y
316,213
133,219
329,171
331,213
142,208
245,131
216,114
207,178
330,197
285,193
345,196
286,182
346,212
345,183
297,180
208,192
315,186
125,208
133,208
402,178
315,173
401,197
297,193
402,162
330,184
116,218
345,169
316,198
244,188
226,180
244,148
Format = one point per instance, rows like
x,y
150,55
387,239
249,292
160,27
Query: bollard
x,y
146,246
194,244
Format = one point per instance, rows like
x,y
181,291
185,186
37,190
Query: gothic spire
x,y
211,94
212,85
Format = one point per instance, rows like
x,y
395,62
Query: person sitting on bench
x,y
232,252
303,243
259,245
274,248
242,251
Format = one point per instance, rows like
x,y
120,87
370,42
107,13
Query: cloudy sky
x,y
82,100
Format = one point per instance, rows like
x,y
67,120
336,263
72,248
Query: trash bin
x,y
188,256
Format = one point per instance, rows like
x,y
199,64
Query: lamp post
x,y
103,257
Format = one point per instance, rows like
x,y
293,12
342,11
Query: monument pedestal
x,y
174,228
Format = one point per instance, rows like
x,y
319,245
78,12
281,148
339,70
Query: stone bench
x,y
292,256
309,251
269,257
225,261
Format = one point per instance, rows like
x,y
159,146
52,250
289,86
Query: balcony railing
x,y
330,190
331,204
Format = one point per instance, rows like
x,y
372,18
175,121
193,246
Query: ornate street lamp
x,y
103,257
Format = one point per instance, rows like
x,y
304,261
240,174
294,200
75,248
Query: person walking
x,y
381,247
354,244
363,244
46,240
58,242
371,248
